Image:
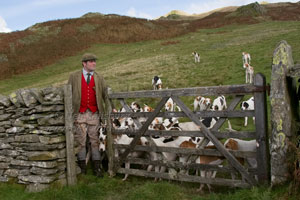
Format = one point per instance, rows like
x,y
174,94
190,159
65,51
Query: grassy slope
x,y
131,67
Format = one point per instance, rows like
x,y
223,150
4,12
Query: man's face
x,y
89,65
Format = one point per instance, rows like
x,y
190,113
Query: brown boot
x,y
97,168
82,166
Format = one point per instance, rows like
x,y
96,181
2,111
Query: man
x,y
89,95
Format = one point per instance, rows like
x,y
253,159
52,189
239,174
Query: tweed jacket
x,y
100,88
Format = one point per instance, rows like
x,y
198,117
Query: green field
x,y
136,188
129,67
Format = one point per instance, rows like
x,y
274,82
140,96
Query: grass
x,y
136,188
132,66
129,67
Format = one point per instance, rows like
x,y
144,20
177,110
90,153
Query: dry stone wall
x,y
32,138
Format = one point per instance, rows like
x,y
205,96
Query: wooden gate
x,y
258,90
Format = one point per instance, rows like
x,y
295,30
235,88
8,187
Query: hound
x,y
220,104
196,57
136,107
246,58
201,102
244,145
248,105
249,73
124,139
156,83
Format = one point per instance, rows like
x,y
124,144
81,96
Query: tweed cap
x,y
88,56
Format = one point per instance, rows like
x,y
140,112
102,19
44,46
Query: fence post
x,y
71,164
283,106
261,124
110,139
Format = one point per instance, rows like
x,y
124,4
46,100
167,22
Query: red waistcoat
x,y
88,95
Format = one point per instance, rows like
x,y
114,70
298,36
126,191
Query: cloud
x,y
31,6
133,13
201,7
3,26
43,3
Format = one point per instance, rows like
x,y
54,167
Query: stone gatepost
x,y
284,109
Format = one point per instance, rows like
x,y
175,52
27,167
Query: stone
x,y
15,130
4,101
53,94
39,146
2,129
283,107
37,94
8,152
36,116
36,187
43,172
5,123
50,108
17,172
40,132
62,166
28,98
59,120
4,179
5,146
5,159
42,164
37,179
53,129
5,117
1,172
16,98
52,140
27,138
11,109
45,155
4,165
7,139
3,135
22,158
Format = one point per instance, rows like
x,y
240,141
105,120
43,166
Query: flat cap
x,y
88,56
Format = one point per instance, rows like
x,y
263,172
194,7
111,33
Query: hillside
x,y
46,43
131,67
180,15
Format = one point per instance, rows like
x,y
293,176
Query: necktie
x,y
88,78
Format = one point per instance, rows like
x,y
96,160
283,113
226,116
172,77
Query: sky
x,y
20,14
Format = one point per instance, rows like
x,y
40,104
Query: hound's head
x,y
116,123
135,107
170,122
159,86
155,78
214,107
231,144
207,102
169,106
148,108
244,105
